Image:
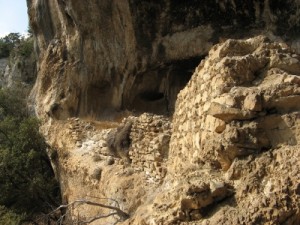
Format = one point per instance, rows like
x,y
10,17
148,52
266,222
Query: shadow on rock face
x,y
119,140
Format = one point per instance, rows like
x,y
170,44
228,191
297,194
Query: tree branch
x,y
122,215
111,199
98,217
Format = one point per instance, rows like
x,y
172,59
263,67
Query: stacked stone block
x,y
150,136
236,104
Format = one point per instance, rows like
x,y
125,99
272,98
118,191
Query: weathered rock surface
x,y
96,57
233,121
89,169
229,155
242,100
18,71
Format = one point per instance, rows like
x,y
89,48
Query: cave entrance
x,y
151,96
156,90
98,99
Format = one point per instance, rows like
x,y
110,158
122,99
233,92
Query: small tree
x,y
25,47
17,44
12,38
8,42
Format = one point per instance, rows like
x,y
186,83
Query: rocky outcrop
x,y
18,72
89,169
228,155
98,57
238,114
247,91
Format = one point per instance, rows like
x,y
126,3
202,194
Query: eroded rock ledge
x,y
228,156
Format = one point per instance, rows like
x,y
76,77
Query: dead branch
x,y
97,218
117,211
111,199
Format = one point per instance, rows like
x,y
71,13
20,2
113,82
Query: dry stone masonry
x,y
243,99
241,103
149,143
150,135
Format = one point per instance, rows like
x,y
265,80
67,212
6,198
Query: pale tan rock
x,y
258,111
230,156
228,114
253,102
214,124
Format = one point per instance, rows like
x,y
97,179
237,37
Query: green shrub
x,y
26,47
4,49
14,44
27,183
7,44
8,217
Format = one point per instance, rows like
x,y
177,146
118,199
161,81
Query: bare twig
x,y
117,211
111,199
97,218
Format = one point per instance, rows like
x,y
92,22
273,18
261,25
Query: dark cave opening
x,y
151,96
156,89
98,98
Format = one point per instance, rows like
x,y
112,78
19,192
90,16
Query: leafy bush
x,y
16,44
26,47
8,217
27,183
4,49
12,104
7,43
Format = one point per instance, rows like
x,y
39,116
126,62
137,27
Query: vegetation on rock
x,y
27,182
15,43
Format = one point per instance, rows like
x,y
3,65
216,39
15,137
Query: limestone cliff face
x,y
18,71
100,56
229,155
